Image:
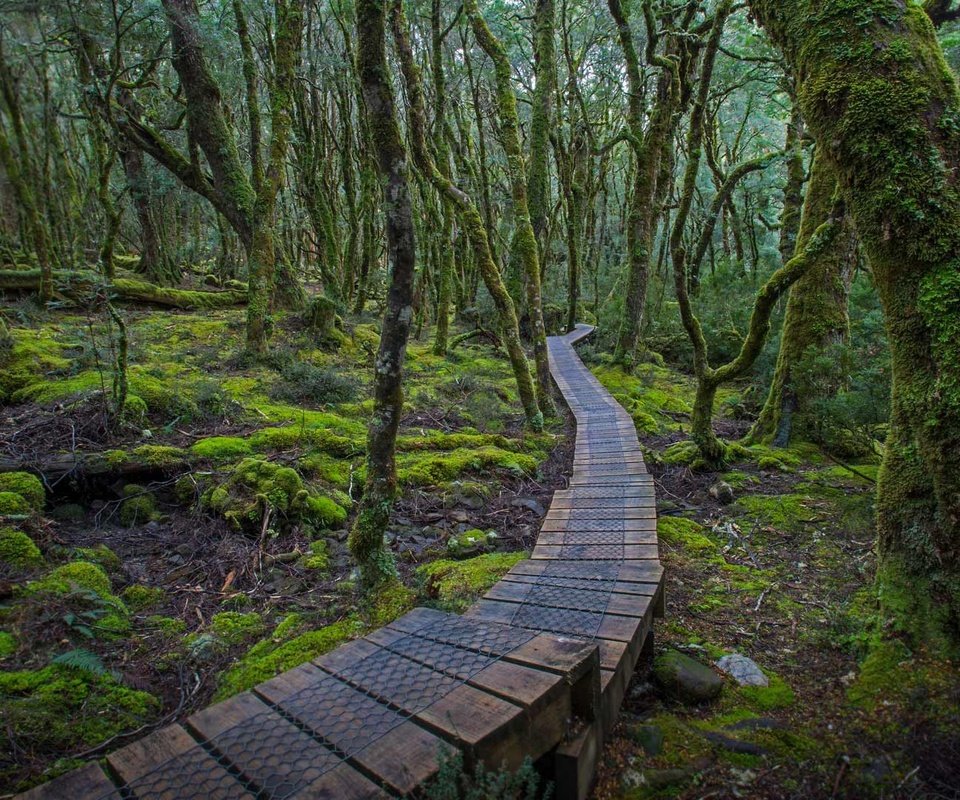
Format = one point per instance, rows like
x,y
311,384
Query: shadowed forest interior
x,y
288,290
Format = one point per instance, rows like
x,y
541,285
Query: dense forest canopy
x,y
287,268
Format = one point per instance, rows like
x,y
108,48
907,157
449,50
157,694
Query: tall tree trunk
x,y
541,122
816,315
525,246
445,265
366,538
790,219
473,222
876,92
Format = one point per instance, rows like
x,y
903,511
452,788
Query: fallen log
x,y
71,284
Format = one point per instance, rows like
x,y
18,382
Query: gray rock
x,y
528,503
722,492
743,670
662,778
649,737
685,678
734,745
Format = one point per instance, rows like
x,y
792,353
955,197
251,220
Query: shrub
x,y
306,383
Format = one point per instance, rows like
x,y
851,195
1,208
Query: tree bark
x,y
877,94
524,246
474,226
366,538
816,315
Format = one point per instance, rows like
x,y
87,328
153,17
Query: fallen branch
x,y
75,285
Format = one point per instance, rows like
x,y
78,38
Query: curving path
x,y
537,668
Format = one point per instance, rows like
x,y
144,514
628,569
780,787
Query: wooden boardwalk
x,y
537,668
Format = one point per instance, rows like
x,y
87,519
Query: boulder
x,y
722,492
685,678
742,669
649,737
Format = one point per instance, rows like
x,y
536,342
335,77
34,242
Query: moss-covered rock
x,y
26,485
319,558
100,554
18,550
256,487
143,598
14,505
139,507
67,578
453,585
426,469
8,644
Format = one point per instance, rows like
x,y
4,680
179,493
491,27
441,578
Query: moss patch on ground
x,y
453,585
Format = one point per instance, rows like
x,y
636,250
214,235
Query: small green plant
x,y
454,782
306,383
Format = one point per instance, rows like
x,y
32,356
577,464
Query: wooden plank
x,y
641,524
588,537
611,552
373,736
274,754
621,587
485,727
88,782
171,765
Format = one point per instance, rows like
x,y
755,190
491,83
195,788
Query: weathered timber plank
x,y
171,765
89,782
381,741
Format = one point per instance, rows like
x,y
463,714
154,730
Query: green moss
x,y
234,627
160,456
455,584
221,448
13,505
75,575
8,644
740,480
62,709
142,598
769,698
139,507
256,487
166,626
319,558
101,555
691,537
883,674
423,469
656,397
785,512
390,600
34,355
289,646
26,485
18,550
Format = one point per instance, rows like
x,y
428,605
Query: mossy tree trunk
x,y
21,173
816,315
709,379
474,227
875,90
366,538
541,122
649,146
445,265
524,244
246,201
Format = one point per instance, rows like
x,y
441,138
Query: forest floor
x,y
198,546
783,574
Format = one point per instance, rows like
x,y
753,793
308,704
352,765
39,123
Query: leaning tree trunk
x,y
366,538
474,227
875,90
524,245
816,316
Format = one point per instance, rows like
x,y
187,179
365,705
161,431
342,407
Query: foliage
x,y
454,782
